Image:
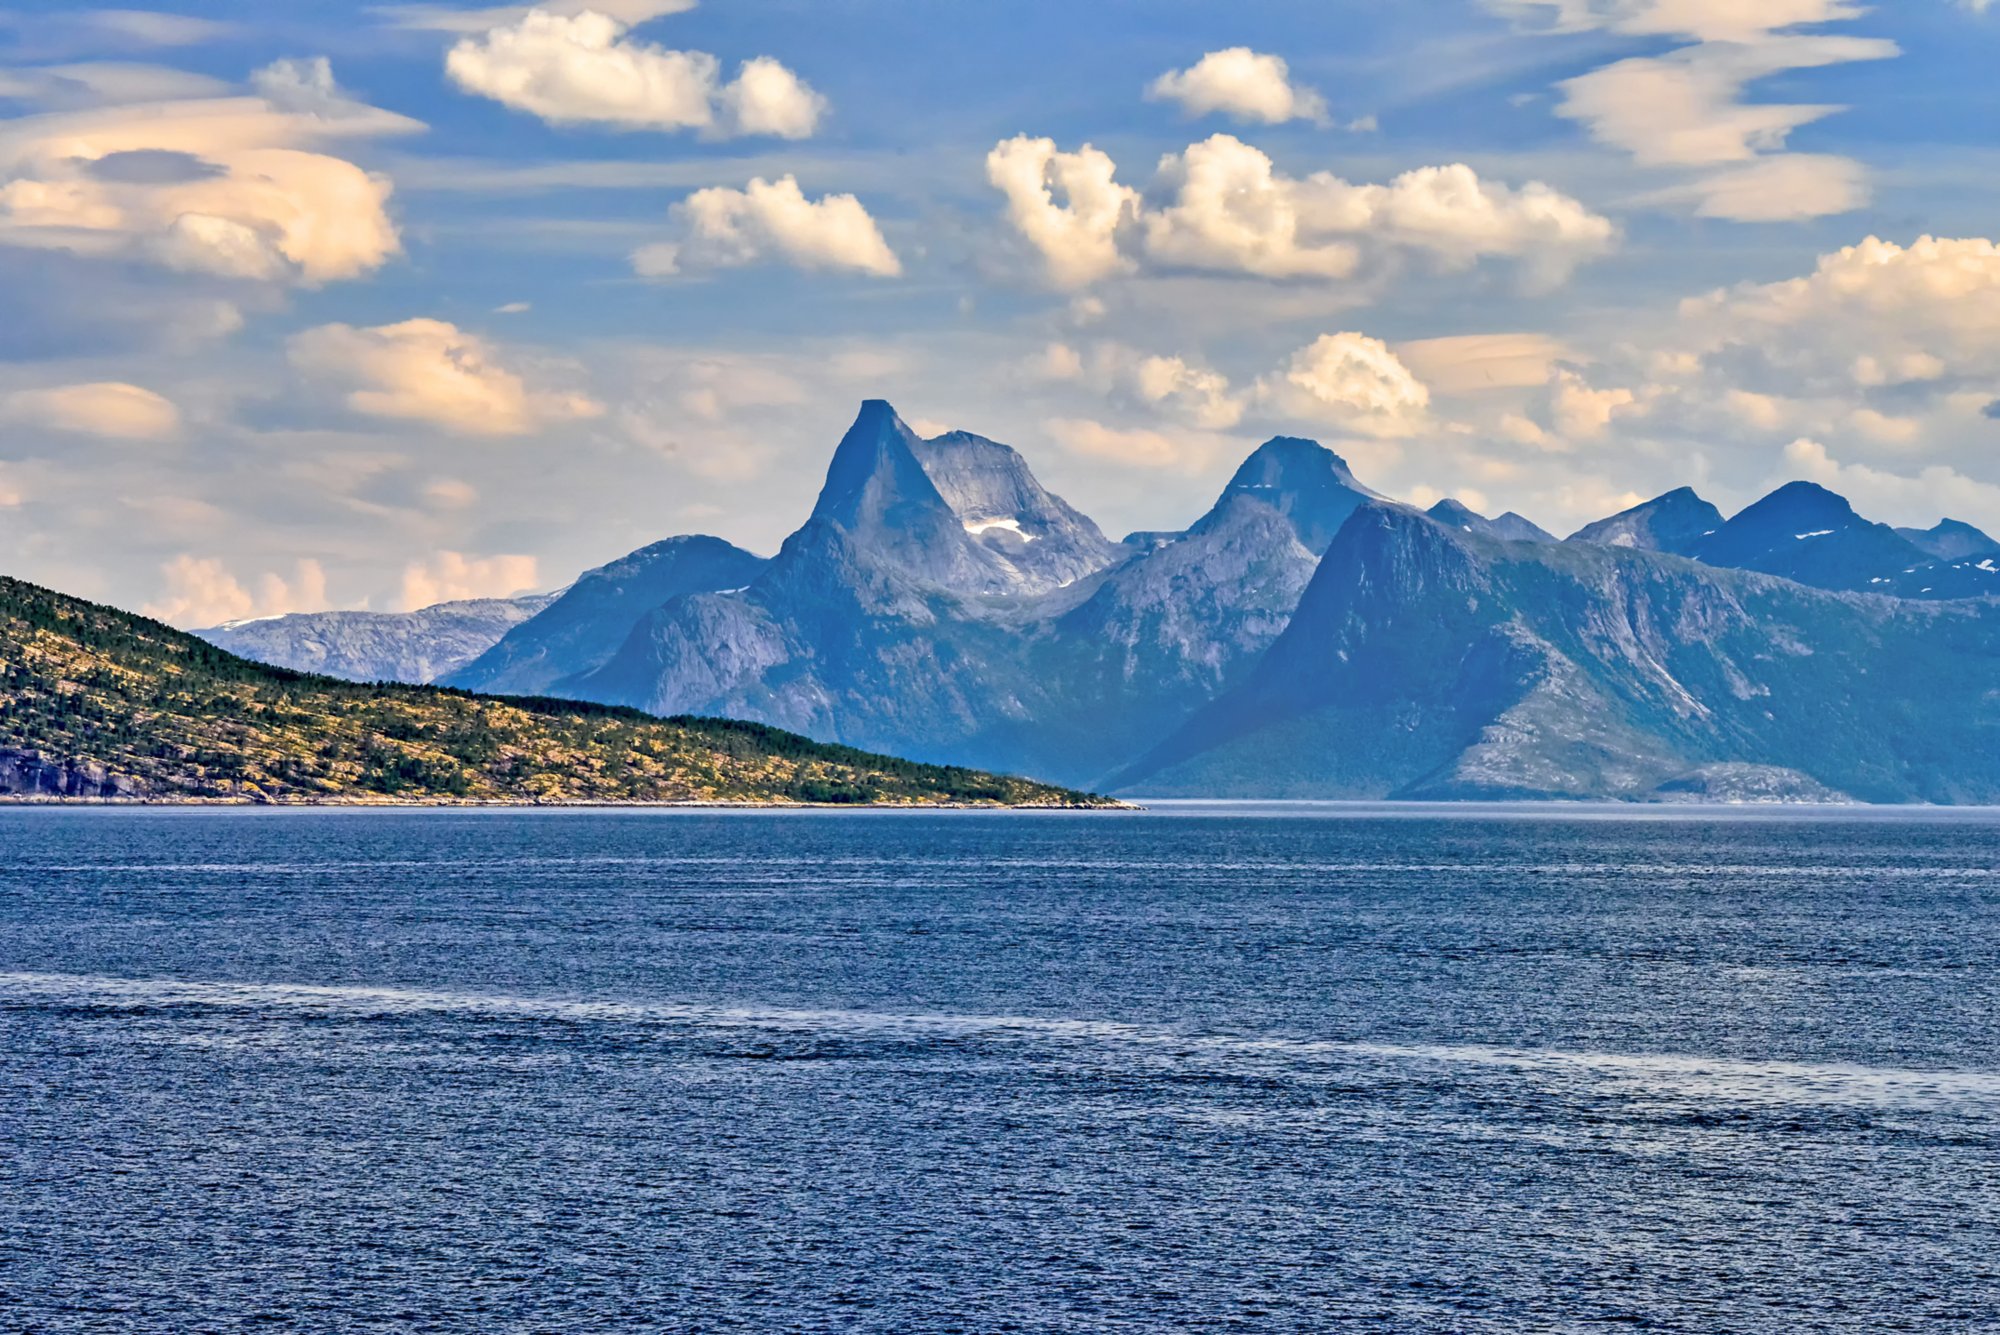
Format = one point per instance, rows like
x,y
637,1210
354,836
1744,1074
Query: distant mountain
x,y
1306,483
1672,523
1424,661
98,703
1509,527
1951,540
886,618
1806,533
939,602
413,647
581,628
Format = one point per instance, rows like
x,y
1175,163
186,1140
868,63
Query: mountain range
x,y
1306,637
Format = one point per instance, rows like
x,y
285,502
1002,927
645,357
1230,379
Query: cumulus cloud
x,y
446,18
430,371
449,577
201,591
1353,382
1872,314
1243,84
223,186
1068,206
721,228
1199,394
1688,109
104,408
1580,411
583,68
1222,206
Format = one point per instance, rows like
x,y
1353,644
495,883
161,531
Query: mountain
x,y
583,626
1951,540
886,622
1806,533
1306,483
98,703
1002,506
411,647
1509,527
1671,523
1427,662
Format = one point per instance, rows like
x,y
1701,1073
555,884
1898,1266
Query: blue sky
x,y
372,305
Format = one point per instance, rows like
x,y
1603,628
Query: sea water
x,y
1200,1069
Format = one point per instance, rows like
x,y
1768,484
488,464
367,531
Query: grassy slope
x,y
178,718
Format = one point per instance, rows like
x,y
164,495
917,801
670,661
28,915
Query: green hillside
x,y
95,702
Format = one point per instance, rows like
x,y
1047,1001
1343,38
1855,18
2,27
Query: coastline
x,y
449,803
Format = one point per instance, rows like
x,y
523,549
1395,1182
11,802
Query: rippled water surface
x,y
1188,1071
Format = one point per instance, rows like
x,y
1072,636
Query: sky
x,y
373,306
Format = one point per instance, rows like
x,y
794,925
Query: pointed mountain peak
x,y
1672,522
875,476
1303,480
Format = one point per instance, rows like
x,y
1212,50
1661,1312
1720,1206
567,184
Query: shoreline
x,y
476,804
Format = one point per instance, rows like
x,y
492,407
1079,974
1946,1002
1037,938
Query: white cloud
x,y
1702,20
103,408
1137,448
222,186
445,18
1871,314
1221,206
449,577
1068,206
1353,382
201,591
583,68
1243,84
1688,109
767,98
1580,411
11,494
430,371
1471,363
1197,393
1790,187
769,220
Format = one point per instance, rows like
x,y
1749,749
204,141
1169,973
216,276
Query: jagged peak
x,y
874,470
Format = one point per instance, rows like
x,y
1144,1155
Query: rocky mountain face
x,y
584,625
1671,523
415,647
1426,662
1302,637
880,619
1000,505
1509,527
